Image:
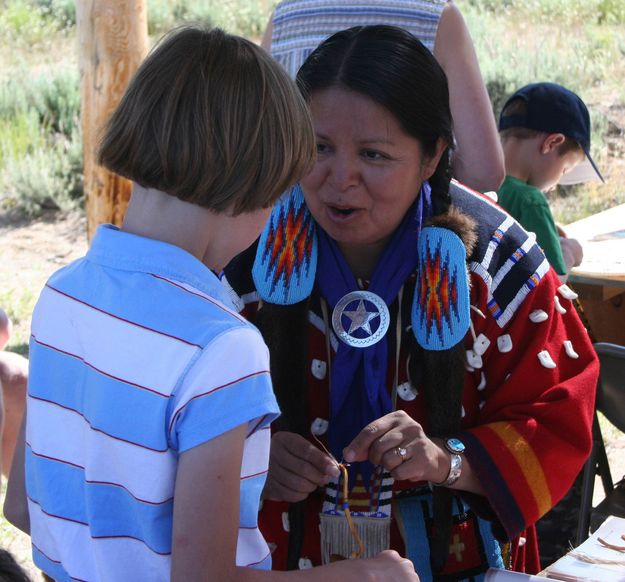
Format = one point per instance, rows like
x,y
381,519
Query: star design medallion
x,y
360,318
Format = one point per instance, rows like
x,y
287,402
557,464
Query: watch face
x,y
455,446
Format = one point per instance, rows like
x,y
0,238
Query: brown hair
x,y
211,119
518,107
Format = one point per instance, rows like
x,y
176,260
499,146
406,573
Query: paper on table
x,y
602,237
572,568
497,575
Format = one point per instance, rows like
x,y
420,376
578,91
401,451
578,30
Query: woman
x,y
480,389
297,26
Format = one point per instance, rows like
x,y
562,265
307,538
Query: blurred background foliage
x,y
578,43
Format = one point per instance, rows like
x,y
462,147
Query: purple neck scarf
x,y
358,390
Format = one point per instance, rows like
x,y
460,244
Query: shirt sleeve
x,y
537,218
534,427
228,385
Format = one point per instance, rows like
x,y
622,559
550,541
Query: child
x,y
149,397
13,378
545,133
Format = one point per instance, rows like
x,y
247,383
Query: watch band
x,y
455,470
456,448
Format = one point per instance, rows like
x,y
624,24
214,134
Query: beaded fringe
x,y
337,542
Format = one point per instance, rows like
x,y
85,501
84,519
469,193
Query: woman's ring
x,y
401,453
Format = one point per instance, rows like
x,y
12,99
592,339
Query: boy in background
x,y
545,134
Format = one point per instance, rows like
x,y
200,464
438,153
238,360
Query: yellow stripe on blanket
x,y
528,462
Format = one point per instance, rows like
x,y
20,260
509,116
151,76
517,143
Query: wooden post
x,y
113,40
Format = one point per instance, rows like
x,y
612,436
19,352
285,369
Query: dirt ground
x,y
31,251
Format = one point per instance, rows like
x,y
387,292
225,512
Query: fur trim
x,y
460,223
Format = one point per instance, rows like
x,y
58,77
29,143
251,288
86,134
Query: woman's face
x,y
368,170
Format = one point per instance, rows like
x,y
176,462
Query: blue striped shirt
x,y
136,355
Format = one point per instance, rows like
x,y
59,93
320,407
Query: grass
x,y
40,142
608,430
16,542
244,17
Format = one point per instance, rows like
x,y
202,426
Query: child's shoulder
x,y
190,308
199,313
520,198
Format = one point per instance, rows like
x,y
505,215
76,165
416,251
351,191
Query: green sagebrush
x,y
40,143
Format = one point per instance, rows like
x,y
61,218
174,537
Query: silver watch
x,y
456,448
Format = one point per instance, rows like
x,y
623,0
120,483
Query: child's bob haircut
x,y
211,119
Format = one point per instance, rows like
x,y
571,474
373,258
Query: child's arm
x,y
15,502
206,518
206,509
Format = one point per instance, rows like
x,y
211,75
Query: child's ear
x,y
552,142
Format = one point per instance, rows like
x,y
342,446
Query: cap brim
x,y
585,171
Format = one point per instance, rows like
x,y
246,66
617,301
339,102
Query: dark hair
x,y
211,119
10,570
394,69
518,107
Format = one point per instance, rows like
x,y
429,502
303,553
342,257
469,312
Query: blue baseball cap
x,y
552,108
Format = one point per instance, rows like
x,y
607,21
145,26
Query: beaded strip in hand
x,y
345,506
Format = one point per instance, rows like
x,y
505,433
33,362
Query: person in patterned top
x,y
416,331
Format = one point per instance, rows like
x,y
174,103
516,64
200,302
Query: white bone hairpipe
x,y
538,316
570,350
546,360
407,391
504,343
567,292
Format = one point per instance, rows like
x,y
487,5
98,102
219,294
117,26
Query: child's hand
x,y
561,231
387,566
296,468
572,252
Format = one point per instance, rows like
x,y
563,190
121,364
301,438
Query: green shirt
x,y
530,207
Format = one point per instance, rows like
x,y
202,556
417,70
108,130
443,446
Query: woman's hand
x,y
296,468
381,441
